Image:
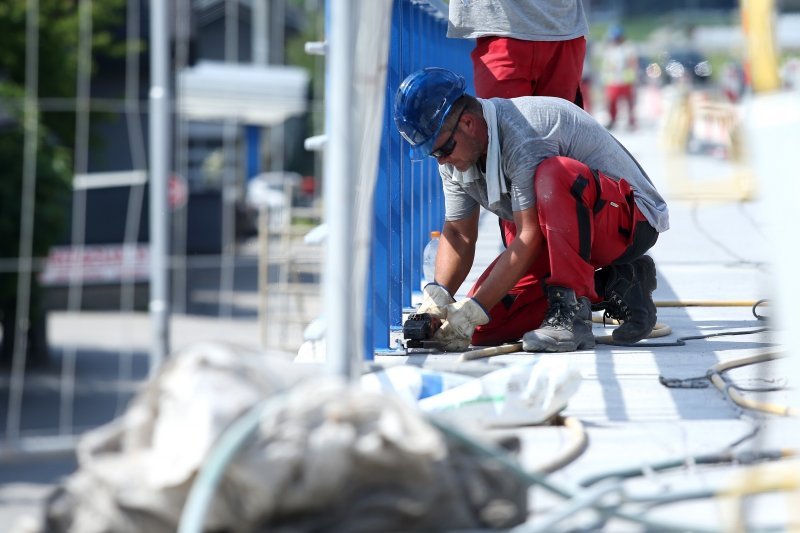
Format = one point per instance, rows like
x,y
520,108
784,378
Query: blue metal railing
x,y
408,201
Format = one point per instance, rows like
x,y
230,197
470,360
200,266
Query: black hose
x,y
681,341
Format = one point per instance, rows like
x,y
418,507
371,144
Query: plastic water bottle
x,y
429,258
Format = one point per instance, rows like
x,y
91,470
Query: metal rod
x,y
159,167
28,205
339,192
263,274
259,34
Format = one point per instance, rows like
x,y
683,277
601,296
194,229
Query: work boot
x,y
585,310
627,293
564,328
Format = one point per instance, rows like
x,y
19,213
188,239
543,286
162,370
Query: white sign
x,y
96,264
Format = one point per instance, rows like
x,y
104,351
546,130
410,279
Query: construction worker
x,y
619,65
578,201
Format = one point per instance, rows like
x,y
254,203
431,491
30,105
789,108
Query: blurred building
x,y
213,155
204,150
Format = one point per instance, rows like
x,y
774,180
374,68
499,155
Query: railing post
x,y
160,135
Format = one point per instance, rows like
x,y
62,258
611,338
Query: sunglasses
x,y
450,144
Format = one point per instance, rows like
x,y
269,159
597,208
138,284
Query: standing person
x,y
523,47
578,201
619,65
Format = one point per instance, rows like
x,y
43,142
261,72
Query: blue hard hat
x,y
616,32
421,105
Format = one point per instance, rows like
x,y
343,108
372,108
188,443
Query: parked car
x,y
680,64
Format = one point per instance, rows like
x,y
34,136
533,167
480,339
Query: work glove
x,y
462,319
435,300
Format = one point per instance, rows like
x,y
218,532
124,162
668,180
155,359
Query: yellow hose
x,y
659,330
783,475
490,351
715,375
576,446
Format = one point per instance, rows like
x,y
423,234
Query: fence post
x,y
160,136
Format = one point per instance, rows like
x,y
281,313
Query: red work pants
x,y
506,68
588,221
615,93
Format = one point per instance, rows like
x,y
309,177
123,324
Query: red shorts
x,y
588,221
507,68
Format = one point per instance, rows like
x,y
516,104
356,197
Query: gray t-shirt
x,y
534,128
529,20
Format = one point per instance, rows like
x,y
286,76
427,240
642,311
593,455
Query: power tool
x,y
420,328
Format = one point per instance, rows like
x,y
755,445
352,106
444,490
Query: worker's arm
x,y
514,261
456,251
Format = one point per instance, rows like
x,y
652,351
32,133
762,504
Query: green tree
x,y
56,63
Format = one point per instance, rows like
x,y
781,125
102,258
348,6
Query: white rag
x,y
495,178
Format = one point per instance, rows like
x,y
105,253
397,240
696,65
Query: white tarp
x,y
354,126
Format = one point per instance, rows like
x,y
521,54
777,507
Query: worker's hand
x,y
435,300
462,319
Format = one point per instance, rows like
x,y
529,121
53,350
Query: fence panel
x,y
408,197
75,331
